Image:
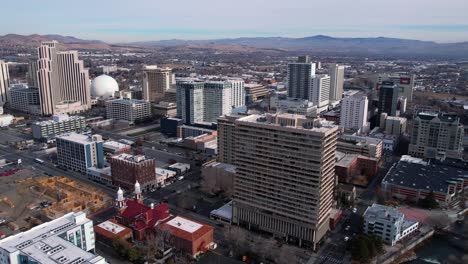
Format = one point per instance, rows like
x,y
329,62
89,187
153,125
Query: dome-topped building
x,y
104,86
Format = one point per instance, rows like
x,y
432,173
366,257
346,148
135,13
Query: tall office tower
x,y
4,82
190,106
216,100
237,92
156,81
226,142
300,76
32,74
388,99
434,134
63,81
354,112
336,82
405,81
80,152
319,92
284,175
303,59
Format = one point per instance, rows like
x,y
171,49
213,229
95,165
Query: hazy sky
x,y
133,20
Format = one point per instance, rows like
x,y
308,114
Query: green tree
x,y
120,247
134,255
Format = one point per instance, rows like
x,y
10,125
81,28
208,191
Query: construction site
x,y
28,199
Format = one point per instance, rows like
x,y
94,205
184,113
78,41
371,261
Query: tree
x,y
120,247
134,255
429,202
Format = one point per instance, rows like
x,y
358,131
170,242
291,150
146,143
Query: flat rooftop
x,y
78,138
111,227
184,224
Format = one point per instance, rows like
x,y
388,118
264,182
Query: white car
x,y
180,178
347,228
354,210
346,239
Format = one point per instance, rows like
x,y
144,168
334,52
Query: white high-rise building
x,y
300,76
336,82
319,92
237,92
216,100
68,239
4,82
64,85
354,113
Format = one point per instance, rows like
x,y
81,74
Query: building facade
x,y
237,92
366,146
354,113
388,99
60,124
216,100
80,152
255,92
190,101
25,99
64,85
319,92
436,134
156,81
130,110
395,125
226,141
4,82
336,73
67,239
300,76
127,169
281,186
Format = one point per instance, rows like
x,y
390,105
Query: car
x,y
347,228
354,210
153,190
180,178
346,238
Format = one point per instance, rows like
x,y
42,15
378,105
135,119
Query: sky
x,y
143,20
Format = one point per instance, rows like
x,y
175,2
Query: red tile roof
x,y
143,216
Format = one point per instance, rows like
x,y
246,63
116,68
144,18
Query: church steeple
x,y
138,195
120,201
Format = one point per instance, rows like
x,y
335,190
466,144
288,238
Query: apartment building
x,y
226,141
156,81
366,146
127,169
281,186
320,92
60,124
354,113
299,78
80,152
336,73
24,99
4,82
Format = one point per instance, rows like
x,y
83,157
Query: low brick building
x,y
127,169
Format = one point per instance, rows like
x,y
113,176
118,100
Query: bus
x,y
39,161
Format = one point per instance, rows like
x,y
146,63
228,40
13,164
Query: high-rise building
x,y
319,92
25,99
32,74
216,100
255,92
435,134
405,82
127,169
388,99
281,186
130,110
226,141
336,82
80,152
156,81
68,239
190,101
237,92
300,76
64,85
4,82
354,112
200,101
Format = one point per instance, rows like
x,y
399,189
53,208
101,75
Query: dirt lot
x,y
17,190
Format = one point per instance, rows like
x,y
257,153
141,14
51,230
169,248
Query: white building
x,y
336,73
104,86
79,152
4,82
24,99
216,100
237,92
59,124
395,125
6,120
130,110
387,223
66,240
320,92
354,113
293,106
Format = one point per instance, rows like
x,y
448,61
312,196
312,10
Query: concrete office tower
x,y
405,81
190,105
434,135
354,113
319,92
388,99
80,152
216,100
64,85
300,76
130,110
4,82
226,141
32,74
156,81
127,169
336,82
281,186
237,92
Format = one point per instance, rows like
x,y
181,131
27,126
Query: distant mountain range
x,y
319,44
331,45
